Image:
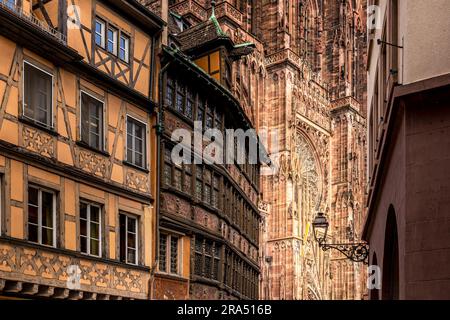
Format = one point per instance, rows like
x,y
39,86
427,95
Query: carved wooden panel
x,y
49,268
172,204
93,163
138,181
171,289
38,141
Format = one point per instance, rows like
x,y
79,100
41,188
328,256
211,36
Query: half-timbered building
x,y
77,148
209,220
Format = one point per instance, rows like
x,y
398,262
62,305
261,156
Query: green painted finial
x,y
214,19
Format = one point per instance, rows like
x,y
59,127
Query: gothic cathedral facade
x,y
304,87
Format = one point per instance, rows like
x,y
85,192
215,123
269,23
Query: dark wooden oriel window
x,y
178,176
207,258
169,253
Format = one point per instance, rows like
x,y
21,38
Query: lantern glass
x,y
320,228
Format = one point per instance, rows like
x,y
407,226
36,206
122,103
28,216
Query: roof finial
x,y
213,8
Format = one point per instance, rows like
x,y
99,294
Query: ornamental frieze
x,y
93,163
138,181
176,206
172,123
41,267
37,141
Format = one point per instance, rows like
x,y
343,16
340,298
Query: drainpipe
x,y
159,132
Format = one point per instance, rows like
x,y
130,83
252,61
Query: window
x,y
9,3
100,33
211,64
38,101
170,92
136,142
207,258
90,229
178,176
181,98
124,48
91,121
179,101
112,40
128,239
41,216
169,254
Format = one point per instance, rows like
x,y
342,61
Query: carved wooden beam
x,y
90,296
13,286
61,293
76,295
45,291
30,288
101,296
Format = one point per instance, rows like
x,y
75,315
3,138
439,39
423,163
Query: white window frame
x,y
136,218
88,229
103,140
125,49
40,189
102,34
52,124
146,146
114,40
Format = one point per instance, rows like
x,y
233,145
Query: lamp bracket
x,y
379,42
357,252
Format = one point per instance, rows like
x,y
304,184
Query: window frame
x,y
168,253
103,34
89,204
50,126
214,260
126,50
186,170
136,248
145,142
119,34
102,139
115,43
39,206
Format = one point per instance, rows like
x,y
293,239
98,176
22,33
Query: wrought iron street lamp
x,y
357,252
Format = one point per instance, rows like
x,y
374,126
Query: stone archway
x,y
390,284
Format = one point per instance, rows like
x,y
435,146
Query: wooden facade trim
x,y
75,254
221,170
180,224
70,172
215,211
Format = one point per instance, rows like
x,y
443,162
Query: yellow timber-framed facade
x,y
77,148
